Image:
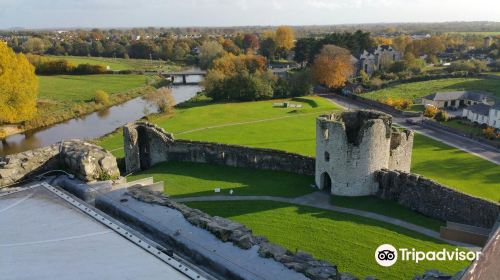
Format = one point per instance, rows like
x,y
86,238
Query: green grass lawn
x,y
121,63
412,91
456,168
199,179
464,126
345,240
284,129
77,88
387,208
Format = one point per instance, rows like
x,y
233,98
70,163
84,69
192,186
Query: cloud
x,y
128,13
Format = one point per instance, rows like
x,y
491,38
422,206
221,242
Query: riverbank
x,y
63,97
76,111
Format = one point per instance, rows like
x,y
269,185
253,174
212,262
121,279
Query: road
x,y
463,143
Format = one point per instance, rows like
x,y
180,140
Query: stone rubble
x,y
86,161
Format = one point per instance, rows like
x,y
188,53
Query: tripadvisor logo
x,y
387,255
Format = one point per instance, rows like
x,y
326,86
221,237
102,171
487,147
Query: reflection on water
x,y
90,126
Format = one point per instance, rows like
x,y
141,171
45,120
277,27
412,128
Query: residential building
x,y
378,59
456,99
478,113
494,116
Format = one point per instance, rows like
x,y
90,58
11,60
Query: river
x,y
93,125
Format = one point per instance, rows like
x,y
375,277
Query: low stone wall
x,y
435,200
147,145
236,233
86,161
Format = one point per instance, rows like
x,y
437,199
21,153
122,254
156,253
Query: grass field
x,y
412,91
387,208
258,124
345,240
121,63
456,168
465,126
197,179
68,89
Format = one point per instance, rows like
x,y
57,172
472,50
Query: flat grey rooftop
x,y
44,237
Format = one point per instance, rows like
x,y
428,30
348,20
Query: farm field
x,y
122,63
415,90
77,88
345,240
258,124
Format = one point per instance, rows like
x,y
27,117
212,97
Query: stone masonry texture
x,y
86,161
351,146
435,200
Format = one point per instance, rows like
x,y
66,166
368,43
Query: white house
x,y
494,116
483,114
457,99
477,113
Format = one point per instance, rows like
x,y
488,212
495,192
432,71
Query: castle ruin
x,y
351,146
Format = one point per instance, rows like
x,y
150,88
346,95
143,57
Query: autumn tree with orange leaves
x,y
333,66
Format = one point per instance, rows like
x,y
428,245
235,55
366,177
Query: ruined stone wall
x,y
154,145
435,200
23,165
401,150
86,161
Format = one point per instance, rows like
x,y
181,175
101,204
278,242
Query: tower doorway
x,y
326,182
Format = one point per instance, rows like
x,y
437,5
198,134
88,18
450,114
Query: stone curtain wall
x,y
147,145
86,161
241,236
435,200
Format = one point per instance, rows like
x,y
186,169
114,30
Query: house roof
x,y
454,95
480,109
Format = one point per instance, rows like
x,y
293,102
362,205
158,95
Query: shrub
x,y
375,83
101,97
162,99
441,116
430,111
89,69
489,133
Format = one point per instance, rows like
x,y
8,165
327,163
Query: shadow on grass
x,y
388,208
244,181
311,102
228,209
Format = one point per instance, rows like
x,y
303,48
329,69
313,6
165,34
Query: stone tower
x,y
351,146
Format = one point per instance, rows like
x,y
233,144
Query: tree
x,y
300,83
231,47
303,49
18,87
34,45
333,66
268,48
285,37
209,51
251,41
141,49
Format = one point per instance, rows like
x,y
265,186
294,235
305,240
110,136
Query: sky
x,y
173,13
